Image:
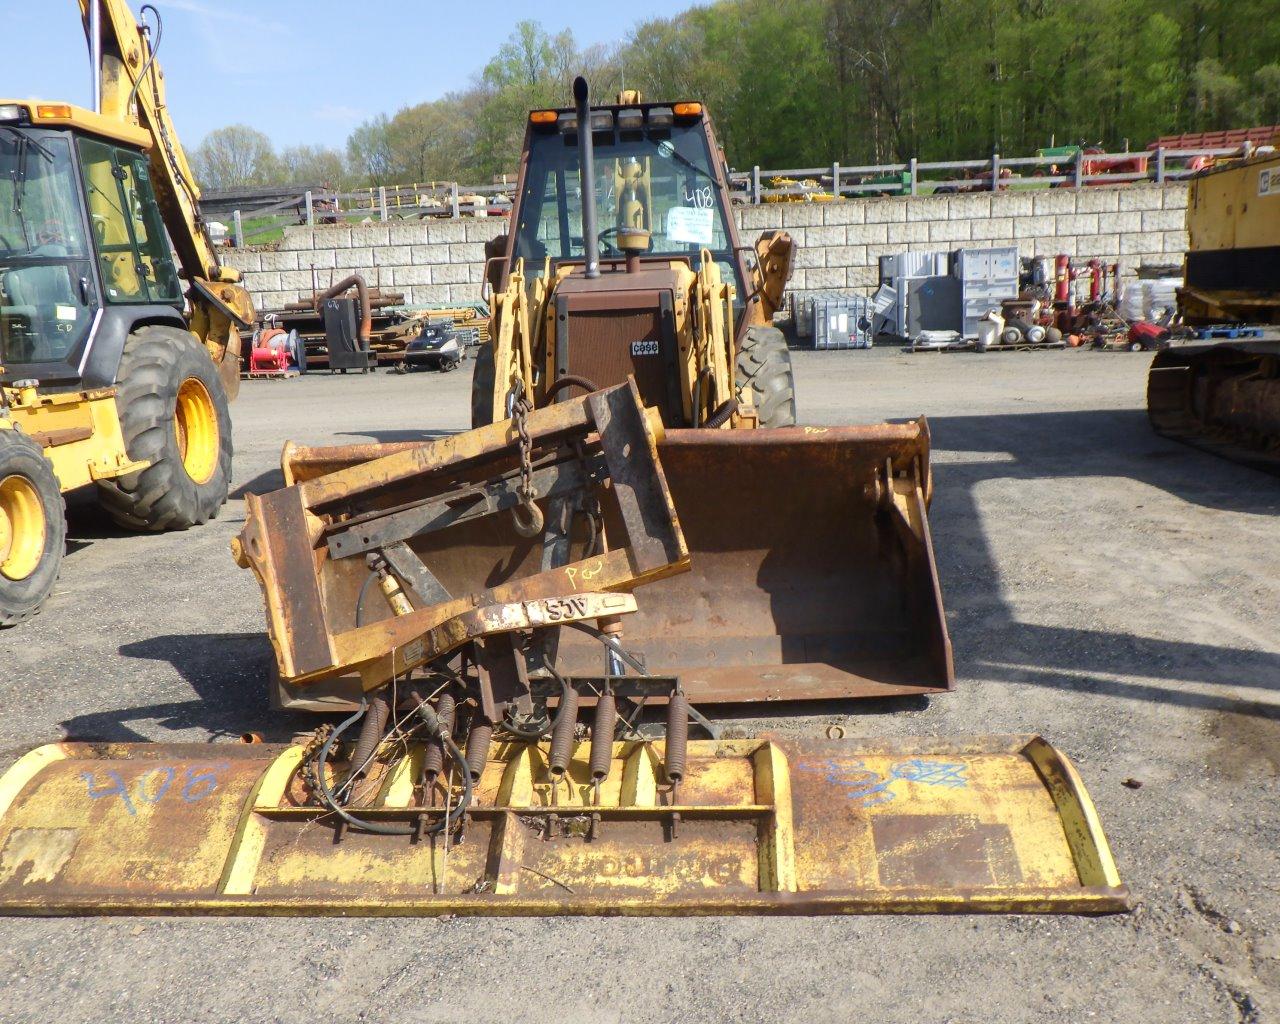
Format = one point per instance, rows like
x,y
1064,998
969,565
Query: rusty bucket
x,y
811,577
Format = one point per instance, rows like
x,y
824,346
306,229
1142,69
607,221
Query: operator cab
x,y
80,231
654,171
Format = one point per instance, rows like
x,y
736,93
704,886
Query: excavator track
x,y
1223,399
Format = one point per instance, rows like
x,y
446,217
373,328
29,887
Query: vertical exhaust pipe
x,y
587,172
95,51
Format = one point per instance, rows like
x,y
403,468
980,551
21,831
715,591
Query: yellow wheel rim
x,y
22,532
195,421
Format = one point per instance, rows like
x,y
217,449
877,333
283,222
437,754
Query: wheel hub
x,y
195,422
22,528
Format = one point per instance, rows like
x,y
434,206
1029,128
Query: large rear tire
x,y
764,375
33,527
482,384
173,411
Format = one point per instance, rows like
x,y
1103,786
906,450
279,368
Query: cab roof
x,y
51,114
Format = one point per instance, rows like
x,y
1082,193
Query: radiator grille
x,y
600,349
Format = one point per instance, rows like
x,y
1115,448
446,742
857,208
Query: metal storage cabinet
x,y
987,276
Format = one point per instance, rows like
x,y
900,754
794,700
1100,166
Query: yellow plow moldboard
x,y
781,825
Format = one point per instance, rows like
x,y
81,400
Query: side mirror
x,y
495,256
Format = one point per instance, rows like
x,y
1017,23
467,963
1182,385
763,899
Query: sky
x,y
303,71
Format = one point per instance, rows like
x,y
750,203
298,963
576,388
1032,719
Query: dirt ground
x,y
1117,592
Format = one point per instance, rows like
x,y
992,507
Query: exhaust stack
x,y
587,171
95,51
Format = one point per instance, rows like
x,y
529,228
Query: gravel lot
x,y
1114,591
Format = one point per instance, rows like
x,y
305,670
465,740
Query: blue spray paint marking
x,y
932,773
860,782
199,782
119,789
871,789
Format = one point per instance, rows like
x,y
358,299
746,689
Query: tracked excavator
x,y
1225,397
116,363
531,627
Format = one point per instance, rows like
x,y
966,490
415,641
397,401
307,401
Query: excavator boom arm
x,y
133,91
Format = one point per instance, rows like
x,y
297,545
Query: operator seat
x,y
35,294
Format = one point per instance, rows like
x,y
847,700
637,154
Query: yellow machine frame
x,y
79,432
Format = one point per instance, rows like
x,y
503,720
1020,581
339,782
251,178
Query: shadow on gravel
x,y
263,483
991,644
227,671
1091,443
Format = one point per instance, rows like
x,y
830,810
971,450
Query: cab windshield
x,y
45,269
656,177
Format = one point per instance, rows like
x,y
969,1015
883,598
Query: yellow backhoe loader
x,y
113,371
1225,397
648,541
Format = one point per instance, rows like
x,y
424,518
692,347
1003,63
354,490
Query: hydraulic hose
x,y
571,380
722,415
391,828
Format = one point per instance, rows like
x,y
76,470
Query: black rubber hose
x,y
609,642
364,593
380,828
722,415
571,380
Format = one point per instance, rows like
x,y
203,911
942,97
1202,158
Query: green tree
x,y
234,157
313,165
369,151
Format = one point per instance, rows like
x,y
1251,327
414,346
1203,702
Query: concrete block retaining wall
x,y
839,244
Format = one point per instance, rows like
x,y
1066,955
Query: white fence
x,y
834,181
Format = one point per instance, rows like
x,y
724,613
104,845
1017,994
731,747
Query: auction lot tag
x,y
686,224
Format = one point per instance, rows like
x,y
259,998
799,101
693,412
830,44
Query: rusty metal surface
x,y
790,826
806,581
1222,398
312,596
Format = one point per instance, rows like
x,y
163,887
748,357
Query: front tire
x,y
174,413
765,376
33,528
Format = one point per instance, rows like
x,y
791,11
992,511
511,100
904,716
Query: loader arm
x,y
133,92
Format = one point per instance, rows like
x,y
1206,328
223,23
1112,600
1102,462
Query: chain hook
x,y
526,516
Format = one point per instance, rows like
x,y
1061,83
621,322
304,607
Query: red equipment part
x,y
270,355
1062,278
1144,335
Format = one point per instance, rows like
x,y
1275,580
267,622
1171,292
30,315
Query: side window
x,y
148,229
117,260
128,233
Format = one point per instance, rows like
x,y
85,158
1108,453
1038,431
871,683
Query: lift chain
x,y
526,516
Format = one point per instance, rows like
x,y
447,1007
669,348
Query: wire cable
x,y
450,819
364,593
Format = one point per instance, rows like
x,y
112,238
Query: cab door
x,y
133,254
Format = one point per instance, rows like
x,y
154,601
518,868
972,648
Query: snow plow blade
x,y
762,826
811,573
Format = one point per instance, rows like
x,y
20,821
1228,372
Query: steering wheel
x,y
607,236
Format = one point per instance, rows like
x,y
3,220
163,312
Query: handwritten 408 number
x,y
191,785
